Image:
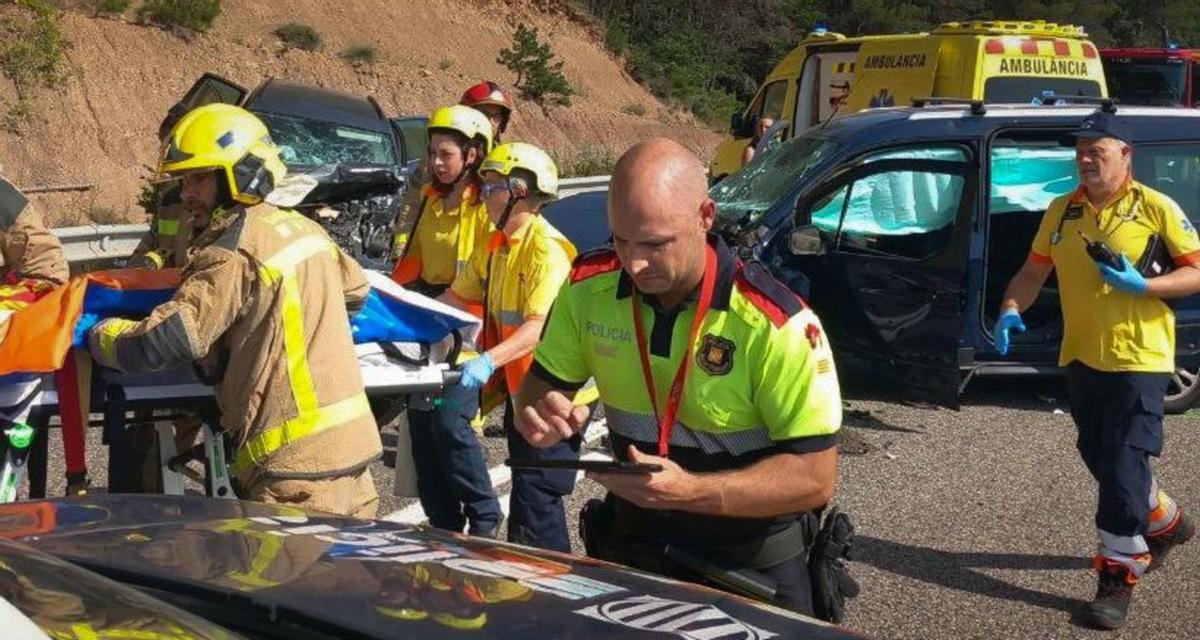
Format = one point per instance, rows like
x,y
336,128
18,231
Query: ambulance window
x,y
1026,175
1025,89
1173,169
773,97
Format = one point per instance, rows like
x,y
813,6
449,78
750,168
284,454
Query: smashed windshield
x,y
312,143
744,196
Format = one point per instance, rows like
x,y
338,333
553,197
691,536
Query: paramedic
x,y
1118,347
452,476
496,104
516,277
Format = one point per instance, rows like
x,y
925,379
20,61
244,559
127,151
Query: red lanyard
x,y
666,420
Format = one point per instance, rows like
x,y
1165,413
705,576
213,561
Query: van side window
x,y
1027,175
900,212
772,100
1173,169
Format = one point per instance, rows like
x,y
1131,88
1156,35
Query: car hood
x,y
378,579
43,596
335,183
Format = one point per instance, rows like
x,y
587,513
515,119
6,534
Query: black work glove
x,y
832,584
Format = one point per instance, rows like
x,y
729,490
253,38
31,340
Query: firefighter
x,y
516,277
1118,347
28,251
496,104
706,366
169,239
263,301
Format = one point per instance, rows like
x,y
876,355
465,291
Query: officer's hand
x,y
552,419
1127,279
1009,320
671,488
477,371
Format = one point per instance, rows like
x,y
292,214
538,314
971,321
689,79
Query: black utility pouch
x,y
1156,260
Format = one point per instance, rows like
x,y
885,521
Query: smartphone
x,y
600,466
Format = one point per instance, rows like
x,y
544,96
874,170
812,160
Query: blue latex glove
x,y
1127,279
1010,320
475,373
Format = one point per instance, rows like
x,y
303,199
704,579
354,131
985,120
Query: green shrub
x,y
360,54
587,161
538,76
31,54
634,109
197,15
111,6
298,36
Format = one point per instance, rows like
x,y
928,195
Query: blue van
x,y
902,228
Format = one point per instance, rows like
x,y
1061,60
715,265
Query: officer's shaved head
x,y
660,214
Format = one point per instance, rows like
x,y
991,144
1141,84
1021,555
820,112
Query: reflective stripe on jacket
x,y
265,298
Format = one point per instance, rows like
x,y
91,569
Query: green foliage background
x,y
710,55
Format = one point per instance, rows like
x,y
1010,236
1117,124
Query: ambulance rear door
x,y
1023,69
890,72
825,84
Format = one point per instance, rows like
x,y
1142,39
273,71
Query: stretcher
x,y
391,371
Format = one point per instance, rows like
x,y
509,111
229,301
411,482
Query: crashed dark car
x,y
902,227
230,569
344,143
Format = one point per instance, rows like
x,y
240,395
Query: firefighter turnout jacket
x,y
29,251
263,301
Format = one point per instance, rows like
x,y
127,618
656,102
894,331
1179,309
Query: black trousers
x,y
1119,418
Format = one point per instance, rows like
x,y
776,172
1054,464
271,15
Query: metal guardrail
x,y
573,186
112,241
100,241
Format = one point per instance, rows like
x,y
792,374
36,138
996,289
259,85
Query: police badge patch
x,y
715,355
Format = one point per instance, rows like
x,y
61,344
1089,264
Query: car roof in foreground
x,y
901,123
376,578
317,103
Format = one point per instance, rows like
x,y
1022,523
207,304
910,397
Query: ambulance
x,y
828,74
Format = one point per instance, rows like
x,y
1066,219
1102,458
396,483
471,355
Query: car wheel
x,y
1183,391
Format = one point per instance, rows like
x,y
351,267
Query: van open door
x,y
882,251
212,88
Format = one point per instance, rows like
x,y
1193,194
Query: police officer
x,y
707,367
1118,346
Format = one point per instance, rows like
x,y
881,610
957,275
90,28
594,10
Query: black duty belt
x,y
755,552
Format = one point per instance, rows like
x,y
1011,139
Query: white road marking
x,y
502,475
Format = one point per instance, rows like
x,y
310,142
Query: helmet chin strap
x,y
513,199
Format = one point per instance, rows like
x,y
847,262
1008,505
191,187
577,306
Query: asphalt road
x,y
971,524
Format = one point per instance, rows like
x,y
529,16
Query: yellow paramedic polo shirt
x,y
444,240
522,276
1104,328
762,381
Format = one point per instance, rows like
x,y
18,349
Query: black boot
x,y
1162,543
1111,605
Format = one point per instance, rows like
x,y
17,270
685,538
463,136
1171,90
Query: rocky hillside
x,y
98,127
